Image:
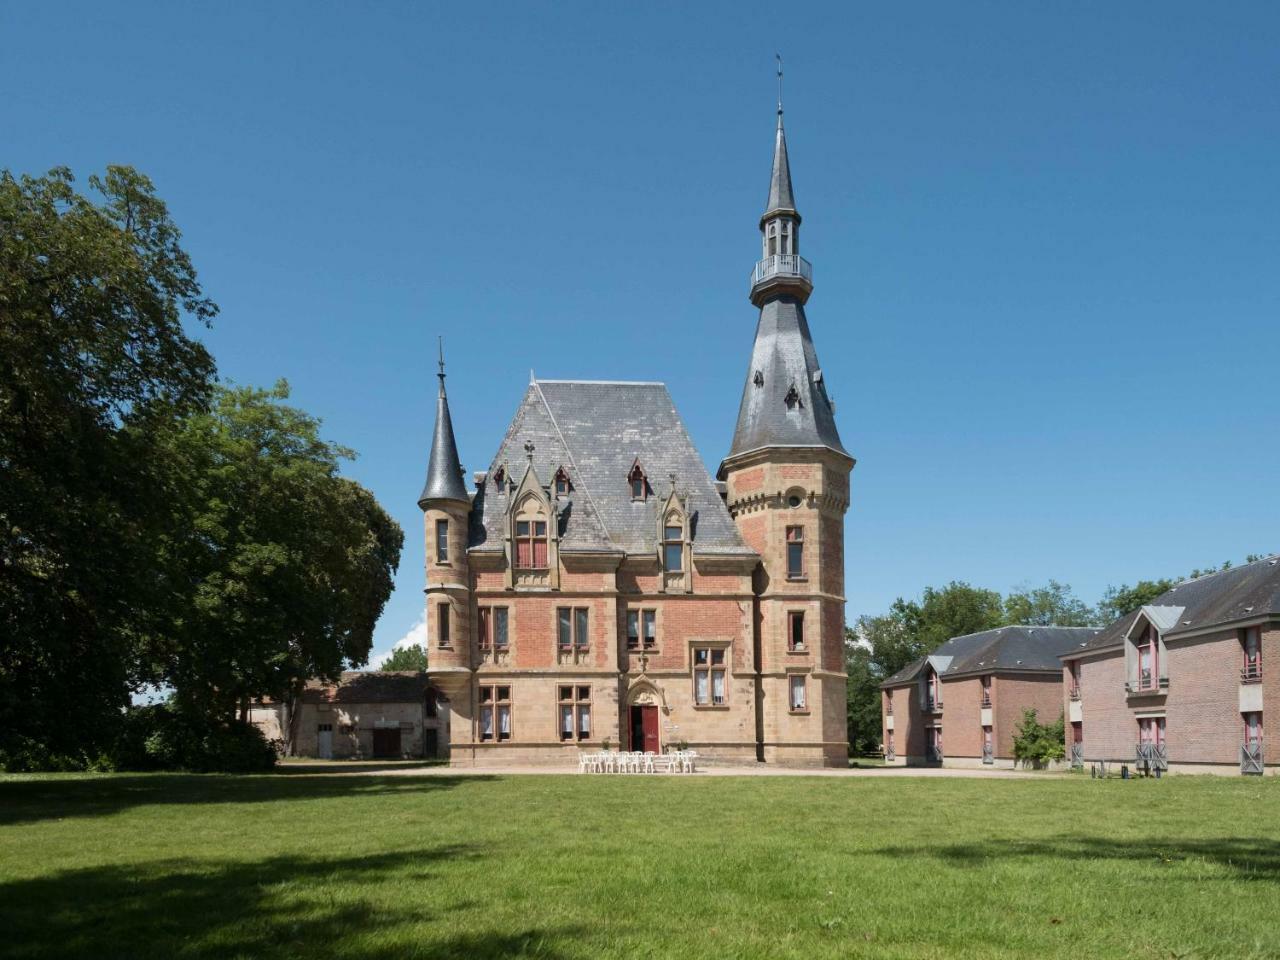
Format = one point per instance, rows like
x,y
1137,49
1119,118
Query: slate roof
x,y
405,686
784,358
780,199
596,431
1249,590
1016,649
444,472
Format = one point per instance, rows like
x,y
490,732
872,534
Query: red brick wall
x,y
1011,695
908,724
1110,730
962,717
1203,722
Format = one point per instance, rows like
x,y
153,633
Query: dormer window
x,y
531,544
639,485
792,399
1251,641
1148,660
673,549
561,483
498,476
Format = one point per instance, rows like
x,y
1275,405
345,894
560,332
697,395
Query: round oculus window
x,y
793,501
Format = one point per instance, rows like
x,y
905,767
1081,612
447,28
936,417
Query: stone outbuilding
x,y
393,715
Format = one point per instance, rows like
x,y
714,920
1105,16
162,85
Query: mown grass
x,y
295,865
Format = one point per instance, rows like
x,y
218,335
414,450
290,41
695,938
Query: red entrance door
x,y
644,729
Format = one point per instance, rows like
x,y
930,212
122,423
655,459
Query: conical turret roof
x,y
444,472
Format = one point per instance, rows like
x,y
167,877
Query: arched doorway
x,y
643,719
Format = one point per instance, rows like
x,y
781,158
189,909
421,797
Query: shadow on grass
x,y
52,798
303,768
281,907
1246,858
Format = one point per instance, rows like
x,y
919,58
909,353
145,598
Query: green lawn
x,y
298,865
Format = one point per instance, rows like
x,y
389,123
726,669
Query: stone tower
x,y
787,478
446,506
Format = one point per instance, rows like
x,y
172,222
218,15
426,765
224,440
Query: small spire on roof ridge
x,y
440,347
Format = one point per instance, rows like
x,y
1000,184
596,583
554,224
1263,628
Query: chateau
x,y
599,585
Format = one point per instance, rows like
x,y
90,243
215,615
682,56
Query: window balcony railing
x,y
1151,756
782,265
986,699
932,706
1147,684
988,755
933,754
1251,756
1074,693
889,753
1077,756
1252,673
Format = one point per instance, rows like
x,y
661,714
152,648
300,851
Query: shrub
x,y
1037,743
157,737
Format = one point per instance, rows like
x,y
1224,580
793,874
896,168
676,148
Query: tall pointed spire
x,y
444,472
781,199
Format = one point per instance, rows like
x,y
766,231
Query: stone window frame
x,y
579,629
576,702
486,621
641,614
637,482
798,540
531,504
442,542
724,648
444,638
675,514
794,617
496,702
803,709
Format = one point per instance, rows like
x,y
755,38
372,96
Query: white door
x,y
324,741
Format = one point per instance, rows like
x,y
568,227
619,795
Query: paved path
x,y
409,769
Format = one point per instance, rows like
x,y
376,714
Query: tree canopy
x,y
155,528
405,658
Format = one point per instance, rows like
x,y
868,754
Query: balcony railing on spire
x,y
782,265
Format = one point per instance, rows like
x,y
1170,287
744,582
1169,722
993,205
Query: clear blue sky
x,y
1044,240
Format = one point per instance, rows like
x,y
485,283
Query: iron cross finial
x,y
779,57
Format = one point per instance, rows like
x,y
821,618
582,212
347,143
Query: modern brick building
x,y
1180,684
598,585
975,688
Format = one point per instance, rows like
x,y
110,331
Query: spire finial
x,y
440,347
779,58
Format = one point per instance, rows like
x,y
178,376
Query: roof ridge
x,y
614,383
568,450
1217,573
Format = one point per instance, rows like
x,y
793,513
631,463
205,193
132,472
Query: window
x,y
442,625
442,541
889,752
1074,669
639,487
1251,641
795,630
571,628
798,703
432,704
986,691
498,476
495,713
562,483
773,238
492,630
795,553
531,544
888,703
673,549
575,712
1148,660
709,676
1151,731
933,696
1253,728
642,629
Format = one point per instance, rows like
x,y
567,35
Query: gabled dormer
x,y
532,535
638,482
1146,673
675,543
561,485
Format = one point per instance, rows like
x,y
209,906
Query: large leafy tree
x,y
1050,605
405,658
94,366
290,564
